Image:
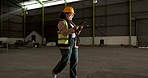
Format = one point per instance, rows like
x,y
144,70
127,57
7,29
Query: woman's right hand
x,y
76,28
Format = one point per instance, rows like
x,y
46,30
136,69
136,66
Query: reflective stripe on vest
x,y
61,38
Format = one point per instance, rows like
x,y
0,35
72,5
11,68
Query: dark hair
x,y
62,15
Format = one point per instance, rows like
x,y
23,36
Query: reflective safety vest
x,y
63,41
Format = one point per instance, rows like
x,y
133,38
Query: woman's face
x,y
69,16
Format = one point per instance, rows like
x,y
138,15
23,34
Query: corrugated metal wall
x,y
140,12
11,20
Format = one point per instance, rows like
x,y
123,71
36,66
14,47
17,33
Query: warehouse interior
x,y
114,36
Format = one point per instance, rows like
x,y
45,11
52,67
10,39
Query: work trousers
x,y
68,56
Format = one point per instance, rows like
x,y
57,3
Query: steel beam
x,y
40,2
1,25
24,21
43,16
65,3
43,23
94,21
130,22
15,3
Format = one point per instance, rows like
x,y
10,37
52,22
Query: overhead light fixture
x,y
28,3
34,4
43,0
95,1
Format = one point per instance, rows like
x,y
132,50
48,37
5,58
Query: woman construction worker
x,y
67,43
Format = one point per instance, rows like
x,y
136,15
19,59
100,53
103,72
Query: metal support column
x,y
130,22
42,24
42,3
65,3
24,21
94,21
1,25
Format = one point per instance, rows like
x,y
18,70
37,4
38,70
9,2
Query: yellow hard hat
x,y
69,9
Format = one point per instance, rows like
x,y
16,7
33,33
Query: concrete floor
x,y
94,62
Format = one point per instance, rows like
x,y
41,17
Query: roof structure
x,y
33,4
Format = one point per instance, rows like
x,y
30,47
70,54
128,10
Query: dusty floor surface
x,y
94,62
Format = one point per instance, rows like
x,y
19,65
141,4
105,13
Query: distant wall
x,y
112,40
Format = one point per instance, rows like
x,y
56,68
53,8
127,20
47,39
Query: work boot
x,y
54,75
